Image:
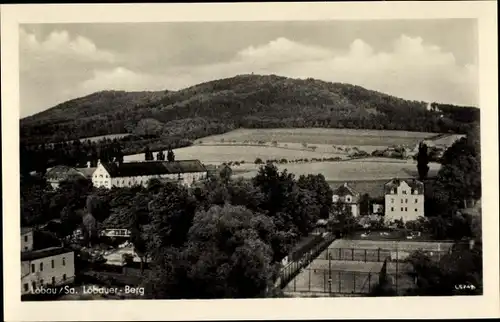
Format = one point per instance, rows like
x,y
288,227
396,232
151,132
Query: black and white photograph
x,y
304,159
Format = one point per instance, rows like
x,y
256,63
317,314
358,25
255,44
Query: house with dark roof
x,y
61,173
47,267
346,196
404,199
128,174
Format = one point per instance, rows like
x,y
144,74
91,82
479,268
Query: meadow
x,y
342,137
347,171
226,153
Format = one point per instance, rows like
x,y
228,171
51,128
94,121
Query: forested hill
x,y
250,101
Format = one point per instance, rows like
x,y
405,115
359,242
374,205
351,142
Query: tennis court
x,y
336,277
379,250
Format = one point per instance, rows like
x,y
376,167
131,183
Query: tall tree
x,y
422,161
321,191
170,155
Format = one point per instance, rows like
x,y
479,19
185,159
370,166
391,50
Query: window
x,y
392,200
52,263
41,267
416,209
412,191
406,200
32,268
404,192
401,208
392,208
64,277
406,209
26,238
41,282
53,280
416,200
401,200
25,247
64,261
33,284
26,287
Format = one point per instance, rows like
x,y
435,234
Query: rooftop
x,y
63,172
25,230
42,253
344,190
146,168
412,183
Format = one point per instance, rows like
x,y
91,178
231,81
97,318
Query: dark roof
x,y
42,253
148,168
412,183
88,172
62,172
344,190
25,230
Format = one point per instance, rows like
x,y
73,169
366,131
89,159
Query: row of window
x,y
413,191
52,264
403,201
403,209
33,284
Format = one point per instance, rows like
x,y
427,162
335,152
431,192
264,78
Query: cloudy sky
x,y
428,60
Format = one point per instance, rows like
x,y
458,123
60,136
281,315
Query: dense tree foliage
x,y
174,119
222,237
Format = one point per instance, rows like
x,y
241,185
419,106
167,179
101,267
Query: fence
x,y
374,255
334,282
291,270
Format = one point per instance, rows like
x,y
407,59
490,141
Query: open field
x,y
346,171
226,153
100,137
322,136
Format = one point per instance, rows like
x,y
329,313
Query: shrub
x,y
258,161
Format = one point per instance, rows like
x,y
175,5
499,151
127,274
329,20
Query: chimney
x,y
345,184
88,164
98,162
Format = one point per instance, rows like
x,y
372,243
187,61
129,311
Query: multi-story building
x,y
127,174
404,199
53,266
347,197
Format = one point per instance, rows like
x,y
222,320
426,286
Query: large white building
x,y
128,174
347,197
404,199
53,266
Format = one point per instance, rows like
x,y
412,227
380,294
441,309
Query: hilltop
x,y
248,101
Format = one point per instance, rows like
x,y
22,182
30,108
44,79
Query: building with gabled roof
x,y
128,174
404,199
46,267
347,197
61,173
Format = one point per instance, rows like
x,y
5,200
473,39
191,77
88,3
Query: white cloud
x,y
411,69
58,47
